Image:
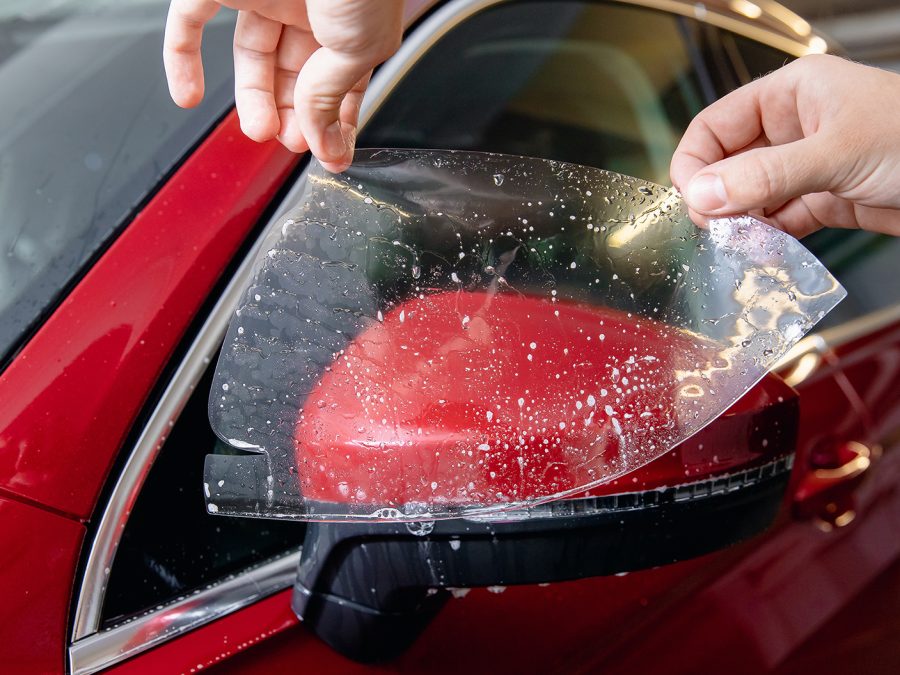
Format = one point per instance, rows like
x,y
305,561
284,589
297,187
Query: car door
x,y
608,85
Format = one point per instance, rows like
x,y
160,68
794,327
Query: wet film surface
x,y
437,334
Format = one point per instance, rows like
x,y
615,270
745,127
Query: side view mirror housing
x,y
368,590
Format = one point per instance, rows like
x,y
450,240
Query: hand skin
x,y
301,66
814,144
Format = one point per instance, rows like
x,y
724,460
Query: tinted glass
x,y
603,85
87,130
171,546
752,59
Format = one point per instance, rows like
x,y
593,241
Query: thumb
x,y
763,177
328,126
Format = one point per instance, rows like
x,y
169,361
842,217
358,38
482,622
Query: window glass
x,y
752,59
171,545
87,129
604,85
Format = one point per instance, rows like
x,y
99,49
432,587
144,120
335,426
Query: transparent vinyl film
x,y
436,334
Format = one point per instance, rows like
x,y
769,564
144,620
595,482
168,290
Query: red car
x,y
127,232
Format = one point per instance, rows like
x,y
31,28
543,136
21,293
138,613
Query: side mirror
x,y
368,590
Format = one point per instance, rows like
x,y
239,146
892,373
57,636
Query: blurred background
x,y
868,29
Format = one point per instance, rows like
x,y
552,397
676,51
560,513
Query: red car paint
x,y
438,402
38,556
71,395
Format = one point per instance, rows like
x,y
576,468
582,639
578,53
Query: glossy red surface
x,y
459,398
71,395
38,558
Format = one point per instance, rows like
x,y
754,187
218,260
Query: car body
x,y
108,559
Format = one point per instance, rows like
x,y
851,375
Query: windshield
x,y
87,130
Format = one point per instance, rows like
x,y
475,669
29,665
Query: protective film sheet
x,y
435,334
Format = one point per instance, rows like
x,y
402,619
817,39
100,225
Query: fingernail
x,y
335,147
706,193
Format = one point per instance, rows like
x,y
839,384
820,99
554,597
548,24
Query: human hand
x,y
814,144
301,66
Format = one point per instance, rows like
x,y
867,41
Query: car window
x,y
603,85
87,130
170,545
752,59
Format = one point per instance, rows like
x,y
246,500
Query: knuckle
x,y
370,52
818,62
180,43
323,101
242,49
763,176
188,19
350,42
771,177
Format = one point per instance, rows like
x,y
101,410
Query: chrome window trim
x,y
152,438
116,644
453,13
89,646
789,41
